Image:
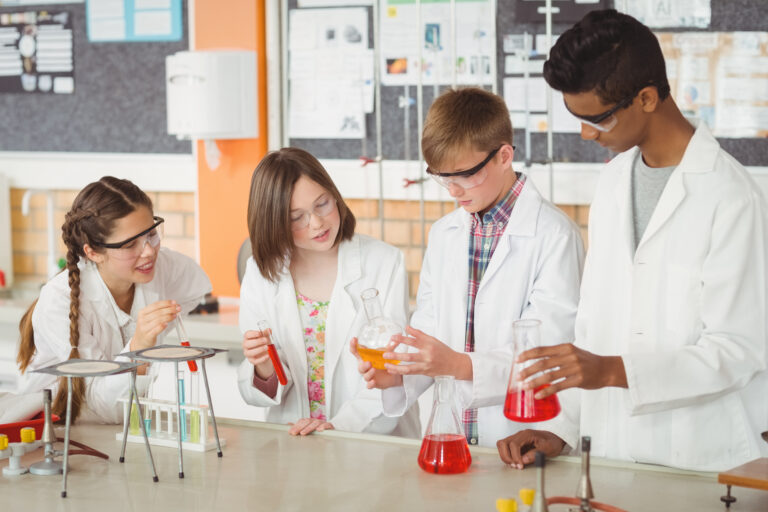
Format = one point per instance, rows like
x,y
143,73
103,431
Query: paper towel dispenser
x,y
212,94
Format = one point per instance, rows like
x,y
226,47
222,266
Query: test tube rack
x,y
164,424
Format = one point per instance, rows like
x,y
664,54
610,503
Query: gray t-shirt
x,y
647,185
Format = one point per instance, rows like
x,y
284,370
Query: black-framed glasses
x,y
134,246
119,245
465,179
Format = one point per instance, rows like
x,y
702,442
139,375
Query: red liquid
x,y
527,409
277,364
192,364
445,454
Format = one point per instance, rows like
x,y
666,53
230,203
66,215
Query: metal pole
x,y
210,406
284,95
377,84
526,80
453,44
420,121
549,107
66,436
178,414
135,394
494,64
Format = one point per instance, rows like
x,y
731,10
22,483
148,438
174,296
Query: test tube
x,y
182,401
184,339
194,414
272,349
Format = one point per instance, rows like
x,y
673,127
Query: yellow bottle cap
x,y
3,441
506,505
526,496
27,435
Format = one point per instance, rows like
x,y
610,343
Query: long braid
x,y
71,230
90,220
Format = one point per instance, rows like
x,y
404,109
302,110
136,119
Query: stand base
x,y
47,467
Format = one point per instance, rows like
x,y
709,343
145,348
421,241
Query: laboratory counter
x,y
264,468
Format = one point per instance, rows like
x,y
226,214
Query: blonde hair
x,y
464,119
90,221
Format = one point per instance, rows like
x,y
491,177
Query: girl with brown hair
x,y
307,271
119,292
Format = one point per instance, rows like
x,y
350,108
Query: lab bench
x,y
264,468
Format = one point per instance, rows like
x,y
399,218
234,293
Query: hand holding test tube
x,y
272,349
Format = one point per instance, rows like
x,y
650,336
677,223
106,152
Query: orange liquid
x,y
521,406
375,357
444,454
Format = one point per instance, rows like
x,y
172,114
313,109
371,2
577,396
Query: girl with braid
x,y
119,292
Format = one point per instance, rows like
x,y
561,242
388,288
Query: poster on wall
x,y
721,78
36,52
133,20
668,13
331,73
473,43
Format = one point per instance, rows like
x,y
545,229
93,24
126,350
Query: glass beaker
x,y
444,449
377,332
520,404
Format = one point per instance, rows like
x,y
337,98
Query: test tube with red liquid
x,y
272,349
184,339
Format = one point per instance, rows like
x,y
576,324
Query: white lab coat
x,y
363,263
686,311
176,277
534,272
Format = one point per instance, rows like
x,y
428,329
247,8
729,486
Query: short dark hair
x,y
609,53
269,206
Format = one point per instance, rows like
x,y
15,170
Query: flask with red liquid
x,y
444,449
376,334
272,350
520,404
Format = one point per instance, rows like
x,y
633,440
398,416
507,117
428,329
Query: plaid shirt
x,y
483,238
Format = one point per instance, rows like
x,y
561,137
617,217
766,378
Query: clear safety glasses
x,y
465,179
606,121
323,208
133,247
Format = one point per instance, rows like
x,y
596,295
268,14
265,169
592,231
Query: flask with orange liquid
x,y
520,404
376,334
444,449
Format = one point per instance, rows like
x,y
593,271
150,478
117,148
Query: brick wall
x,y
29,233
402,227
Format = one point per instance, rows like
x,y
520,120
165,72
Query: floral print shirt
x,y
313,315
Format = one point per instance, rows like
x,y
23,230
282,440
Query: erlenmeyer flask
x,y
444,449
377,332
520,404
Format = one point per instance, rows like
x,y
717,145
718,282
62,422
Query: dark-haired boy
x,y
505,254
670,347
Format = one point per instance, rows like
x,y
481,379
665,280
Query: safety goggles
x,y
132,248
323,208
606,121
465,179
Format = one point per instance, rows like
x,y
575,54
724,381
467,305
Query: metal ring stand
x,y
193,353
69,369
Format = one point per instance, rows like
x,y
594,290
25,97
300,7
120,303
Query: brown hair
x,y
90,221
464,119
269,205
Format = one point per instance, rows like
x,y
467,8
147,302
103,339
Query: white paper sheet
x,y
668,13
330,73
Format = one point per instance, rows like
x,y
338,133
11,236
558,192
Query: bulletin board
x,y
118,102
749,147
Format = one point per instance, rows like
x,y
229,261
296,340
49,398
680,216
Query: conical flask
x,y
520,404
444,449
377,332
